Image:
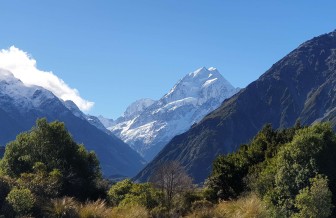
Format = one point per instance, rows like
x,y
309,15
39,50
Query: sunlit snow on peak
x,y
23,67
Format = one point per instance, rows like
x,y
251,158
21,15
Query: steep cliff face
x,y
301,86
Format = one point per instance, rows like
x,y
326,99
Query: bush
x,y
48,148
142,194
159,212
201,205
62,208
244,207
126,192
22,201
118,191
185,201
202,209
95,209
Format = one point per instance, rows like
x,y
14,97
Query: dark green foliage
x,y
6,184
284,167
311,152
49,152
42,183
226,180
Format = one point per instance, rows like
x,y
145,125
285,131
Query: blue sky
x,y
115,52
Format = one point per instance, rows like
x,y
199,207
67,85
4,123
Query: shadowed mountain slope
x,y
301,86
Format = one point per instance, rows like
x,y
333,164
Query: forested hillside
x,y
280,173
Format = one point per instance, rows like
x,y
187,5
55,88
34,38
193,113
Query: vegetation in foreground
x,y
280,173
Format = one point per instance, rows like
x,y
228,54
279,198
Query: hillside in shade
x,y
299,87
21,105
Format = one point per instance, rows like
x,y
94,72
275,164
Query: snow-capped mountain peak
x,y
201,84
148,125
137,107
7,76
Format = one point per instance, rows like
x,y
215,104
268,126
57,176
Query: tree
x,y
286,176
172,179
315,201
232,173
51,146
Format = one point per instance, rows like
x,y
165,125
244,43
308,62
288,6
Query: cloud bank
x,y
23,66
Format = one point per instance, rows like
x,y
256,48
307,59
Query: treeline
x,y
280,173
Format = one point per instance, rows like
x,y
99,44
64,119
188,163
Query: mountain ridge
x,y
21,105
191,98
299,87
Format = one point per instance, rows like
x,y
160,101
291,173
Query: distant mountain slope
x,y
148,125
21,105
301,86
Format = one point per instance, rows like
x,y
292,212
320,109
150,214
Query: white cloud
x,y
23,66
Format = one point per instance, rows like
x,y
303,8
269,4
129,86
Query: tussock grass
x,y
249,206
94,209
130,211
62,208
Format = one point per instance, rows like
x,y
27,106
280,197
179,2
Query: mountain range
x,y
21,105
299,87
147,125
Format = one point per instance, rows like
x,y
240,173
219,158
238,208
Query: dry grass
x,y
62,207
246,207
95,209
202,209
130,211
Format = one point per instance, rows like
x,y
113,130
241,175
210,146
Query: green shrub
x,y
118,191
142,194
22,201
